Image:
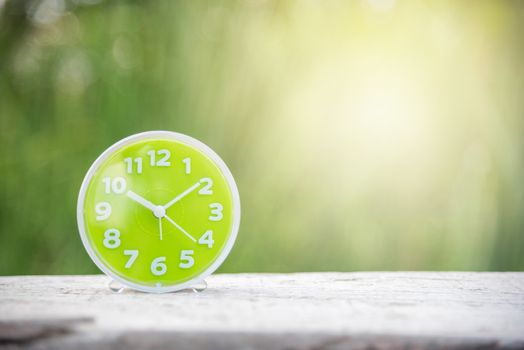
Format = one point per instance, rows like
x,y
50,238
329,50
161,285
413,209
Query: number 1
x,y
187,162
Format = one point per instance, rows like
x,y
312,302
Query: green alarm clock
x,y
158,211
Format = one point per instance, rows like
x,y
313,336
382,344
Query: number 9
x,y
103,210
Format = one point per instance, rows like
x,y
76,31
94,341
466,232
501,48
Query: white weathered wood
x,y
306,310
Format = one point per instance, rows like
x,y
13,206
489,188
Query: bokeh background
x,y
364,135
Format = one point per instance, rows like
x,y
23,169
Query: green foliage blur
x,y
363,135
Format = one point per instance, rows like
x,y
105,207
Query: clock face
x,y
158,210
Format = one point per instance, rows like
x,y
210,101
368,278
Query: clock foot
x,y
115,286
199,286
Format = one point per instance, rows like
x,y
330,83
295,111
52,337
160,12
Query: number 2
x,y
207,188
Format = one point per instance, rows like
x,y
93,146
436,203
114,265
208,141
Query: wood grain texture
x,y
274,311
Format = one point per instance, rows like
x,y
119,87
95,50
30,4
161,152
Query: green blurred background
x,y
363,135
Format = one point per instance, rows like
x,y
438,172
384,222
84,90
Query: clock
x,y
158,211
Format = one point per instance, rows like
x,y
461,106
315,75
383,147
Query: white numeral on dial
x,y
158,266
112,238
103,210
164,161
207,188
207,239
187,162
116,185
216,212
186,259
133,254
129,162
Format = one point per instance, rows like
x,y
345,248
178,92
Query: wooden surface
x,y
273,311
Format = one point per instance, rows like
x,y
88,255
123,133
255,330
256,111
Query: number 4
x,y
207,239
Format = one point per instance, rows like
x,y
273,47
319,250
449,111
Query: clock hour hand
x,y
182,195
141,200
157,210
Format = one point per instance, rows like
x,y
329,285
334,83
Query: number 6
x,y
158,268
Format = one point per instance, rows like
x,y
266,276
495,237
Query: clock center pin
x,y
159,211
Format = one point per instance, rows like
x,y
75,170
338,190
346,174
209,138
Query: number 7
x,y
133,255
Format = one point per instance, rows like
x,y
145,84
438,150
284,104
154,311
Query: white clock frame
x,y
170,135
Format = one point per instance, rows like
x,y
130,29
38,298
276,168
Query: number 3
x,y
216,212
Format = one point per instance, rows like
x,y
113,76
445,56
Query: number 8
x,y
112,238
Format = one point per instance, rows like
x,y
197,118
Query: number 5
x,y
186,259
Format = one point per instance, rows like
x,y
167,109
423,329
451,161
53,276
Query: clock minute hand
x,y
182,195
141,200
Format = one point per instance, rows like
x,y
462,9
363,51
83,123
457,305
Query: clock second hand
x,y
179,227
